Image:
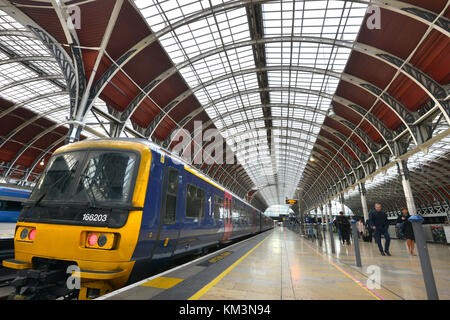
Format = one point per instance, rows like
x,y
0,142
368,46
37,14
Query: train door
x,y
170,219
255,224
228,221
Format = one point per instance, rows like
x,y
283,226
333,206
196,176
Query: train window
x,y
195,202
58,176
171,196
107,177
10,206
218,208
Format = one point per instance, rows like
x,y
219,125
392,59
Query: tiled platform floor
x,y
287,266
7,230
280,264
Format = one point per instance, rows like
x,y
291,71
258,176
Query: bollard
x,y
330,231
319,234
424,257
356,243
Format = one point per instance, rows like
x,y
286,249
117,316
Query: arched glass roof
x,y
308,97
271,158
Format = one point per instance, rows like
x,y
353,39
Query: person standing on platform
x,y
360,228
344,226
408,232
379,223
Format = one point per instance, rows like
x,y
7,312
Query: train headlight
x,y
100,240
26,234
23,234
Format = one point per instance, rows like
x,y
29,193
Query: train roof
x,y
155,147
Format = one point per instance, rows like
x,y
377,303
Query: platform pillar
x,y
330,228
356,243
416,220
319,226
341,200
362,192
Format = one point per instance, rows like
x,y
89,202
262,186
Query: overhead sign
x,y
291,201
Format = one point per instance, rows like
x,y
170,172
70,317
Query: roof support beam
x,y
30,144
28,122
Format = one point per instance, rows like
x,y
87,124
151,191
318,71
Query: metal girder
x,y
41,156
284,137
157,121
319,168
325,160
387,134
30,143
33,99
371,145
425,16
338,160
28,122
236,124
361,156
29,80
297,130
27,59
106,77
431,87
407,117
90,93
323,182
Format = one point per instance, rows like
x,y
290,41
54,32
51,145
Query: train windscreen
x,y
100,181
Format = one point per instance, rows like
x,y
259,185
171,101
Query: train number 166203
x,y
95,217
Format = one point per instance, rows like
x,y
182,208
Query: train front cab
x,y
96,237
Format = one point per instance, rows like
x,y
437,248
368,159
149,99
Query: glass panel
x,y
107,177
60,173
171,196
195,200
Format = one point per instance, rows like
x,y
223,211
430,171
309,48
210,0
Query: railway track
x,y
6,275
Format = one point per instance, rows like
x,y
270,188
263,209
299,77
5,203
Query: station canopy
x,y
312,98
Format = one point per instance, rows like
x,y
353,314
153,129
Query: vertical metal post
x,y
319,226
341,200
330,228
424,257
356,243
362,191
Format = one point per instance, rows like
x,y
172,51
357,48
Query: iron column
x,y
425,263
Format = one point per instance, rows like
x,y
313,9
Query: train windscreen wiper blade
x,y
62,178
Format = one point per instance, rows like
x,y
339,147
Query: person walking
x,y
379,223
369,231
344,226
360,228
407,230
337,229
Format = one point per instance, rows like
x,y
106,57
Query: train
x,y
11,199
110,212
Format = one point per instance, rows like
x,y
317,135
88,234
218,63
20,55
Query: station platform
x,y
7,230
282,265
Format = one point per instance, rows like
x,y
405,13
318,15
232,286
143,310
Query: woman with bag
x,y
407,229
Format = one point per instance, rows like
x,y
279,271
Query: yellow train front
x,y
110,212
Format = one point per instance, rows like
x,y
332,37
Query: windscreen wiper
x,y
63,178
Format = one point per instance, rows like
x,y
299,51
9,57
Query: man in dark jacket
x,y
344,227
379,223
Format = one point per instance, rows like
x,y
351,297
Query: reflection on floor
x,y
287,266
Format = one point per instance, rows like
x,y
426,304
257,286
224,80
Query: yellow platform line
x,y
206,288
343,271
162,282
